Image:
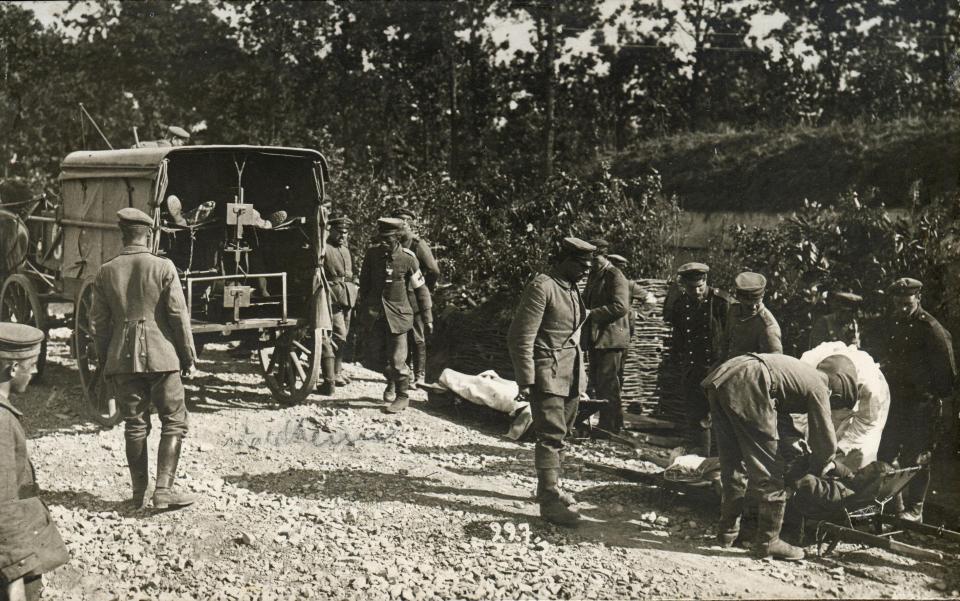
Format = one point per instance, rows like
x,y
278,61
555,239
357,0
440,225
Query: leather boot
x,y
419,363
341,378
327,368
137,461
748,522
552,509
704,440
402,398
168,456
769,522
728,528
390,392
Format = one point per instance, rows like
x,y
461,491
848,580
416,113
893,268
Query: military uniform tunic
x,y
917,360
607,295
544,344
431,273
759,333
141,324
338,268
29,541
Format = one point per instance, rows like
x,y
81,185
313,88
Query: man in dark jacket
x,y
388,276
338,269
841,323
917,359
141,326
30,544
607,296
410,239
750,395
751,327
698,319
544,343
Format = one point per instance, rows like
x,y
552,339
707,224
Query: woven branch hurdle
x,y
475,341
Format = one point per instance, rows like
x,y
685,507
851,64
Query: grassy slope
x,y
768,170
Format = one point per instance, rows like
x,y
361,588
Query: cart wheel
x,y
20,303
290,362
99,401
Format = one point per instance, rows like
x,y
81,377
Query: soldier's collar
x,y
133,249
5,403
556,275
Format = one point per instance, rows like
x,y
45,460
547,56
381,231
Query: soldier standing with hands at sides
x,y
544,343
699,317
338,267
30,544
751,327
390,274
410,239
607,296
840,324
141,326
916,357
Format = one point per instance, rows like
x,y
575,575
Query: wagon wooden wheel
x,y
99,401
20,303
290,362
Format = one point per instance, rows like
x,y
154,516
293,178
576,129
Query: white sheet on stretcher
x,y
486,388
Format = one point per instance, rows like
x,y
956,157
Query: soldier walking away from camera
x,y
607,296
410,239
698,318
338,267
141,325
750,327
841,324
916,357
389,275
749,396
544,343
30,544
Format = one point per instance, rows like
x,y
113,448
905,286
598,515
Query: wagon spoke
x,y
299,367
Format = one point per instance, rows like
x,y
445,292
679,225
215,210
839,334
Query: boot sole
x,y
175,505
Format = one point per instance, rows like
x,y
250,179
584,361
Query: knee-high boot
x,y
137,461
552,508
168,456
769,522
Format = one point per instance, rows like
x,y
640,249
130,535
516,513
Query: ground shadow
x,y
78,499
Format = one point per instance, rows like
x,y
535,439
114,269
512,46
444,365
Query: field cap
x,y
750,285
618,260
905,286
132,216
387,226
19,341
405,213
693,271
577,248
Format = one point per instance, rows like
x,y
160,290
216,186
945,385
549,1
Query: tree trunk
x,y
454,164
549,73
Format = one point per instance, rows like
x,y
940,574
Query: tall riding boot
x,y
419,363
137,458
728,528
328,369
403,398
341,378
748,521
565,496
769,522
168,456
552,508
705,440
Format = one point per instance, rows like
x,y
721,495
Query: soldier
x,y
389,273
699,317
141,326
917,359
840,324
749,396
607,296
411,239
30,544
544,343
338,267
750,327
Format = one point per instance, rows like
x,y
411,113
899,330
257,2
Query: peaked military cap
x,y
405,212
387,226
602,246
19,341
339,220
846,298
693,271
750,284
132,216
618,260
905,286
578,248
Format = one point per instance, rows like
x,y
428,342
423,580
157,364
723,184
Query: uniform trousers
x,y
907,435
749,459
820,497
340,326
418,345
553,418
694,399
391,352
606,377
163,390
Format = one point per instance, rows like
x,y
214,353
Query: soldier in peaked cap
x,y
411,239
607,296
389,276
916,356
141,326
841,323
698,320
544,344
750,327
338,268
30,544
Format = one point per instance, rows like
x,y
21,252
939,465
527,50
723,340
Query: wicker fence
x,y
475,341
